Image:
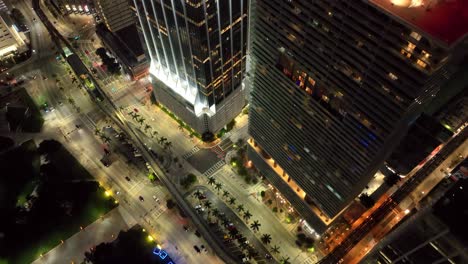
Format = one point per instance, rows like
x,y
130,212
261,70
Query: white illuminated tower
x,y
198,57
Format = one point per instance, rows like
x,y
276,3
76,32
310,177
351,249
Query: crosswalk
x,y
214,168
191,152
219,152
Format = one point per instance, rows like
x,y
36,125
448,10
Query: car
x,y
202,197
197,233
197,249
186,228
141,198
127,178
199,208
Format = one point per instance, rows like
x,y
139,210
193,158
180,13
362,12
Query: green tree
x,y
255,225
197,194
275,249
266,238
208,205
232,200
218,186
247,215
147,127
211,180
170,204
225,193
240,208
168,145
285,260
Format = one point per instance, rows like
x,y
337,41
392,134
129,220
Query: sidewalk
x,y
102,230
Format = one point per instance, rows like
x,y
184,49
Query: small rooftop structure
x,y
444,20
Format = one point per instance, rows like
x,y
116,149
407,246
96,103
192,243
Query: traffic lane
x,y
238,223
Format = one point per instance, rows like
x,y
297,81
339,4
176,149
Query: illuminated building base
x,y
312,215
204,122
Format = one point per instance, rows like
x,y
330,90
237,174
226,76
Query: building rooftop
x,y
445,20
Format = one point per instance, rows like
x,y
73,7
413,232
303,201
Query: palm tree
x,y
141,120
208,204
106,139
168,145
211,180
285,260
121,108
255,225
215,212
275,249
225,193
97,131
266,238
181,127
247,215
147,127
218,186
71,100
197,194
240,208
232,200
130,113
161,140
155,133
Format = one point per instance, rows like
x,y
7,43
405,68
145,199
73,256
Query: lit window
x,y
392,76
415,35
421,63
425,54
411,46
386,89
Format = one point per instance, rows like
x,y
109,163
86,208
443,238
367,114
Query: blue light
x,y
371,136
163,254
156,251
364,143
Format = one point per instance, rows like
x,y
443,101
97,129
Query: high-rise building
x,y
336,85
198,57
11,41
115,14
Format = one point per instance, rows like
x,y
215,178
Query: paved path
x,y
102,230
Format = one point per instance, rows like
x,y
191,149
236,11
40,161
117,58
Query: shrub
x,y
275,209
262,194
270,201
170,204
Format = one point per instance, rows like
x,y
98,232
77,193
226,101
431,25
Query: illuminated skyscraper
x,y
198,57
336,85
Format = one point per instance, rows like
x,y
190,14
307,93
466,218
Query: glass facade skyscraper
x,y
198,57
335,87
